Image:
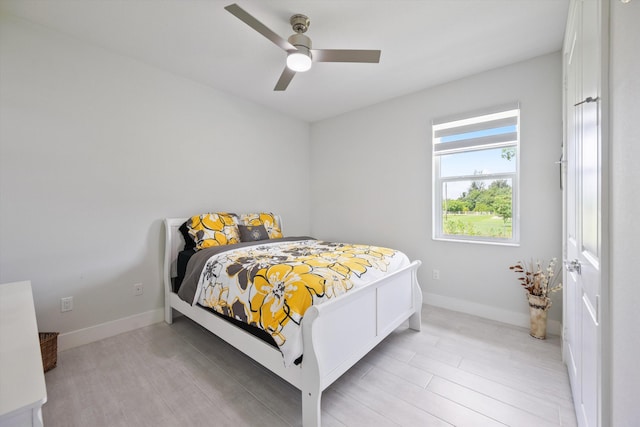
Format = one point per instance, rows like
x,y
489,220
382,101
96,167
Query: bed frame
x,y
352,325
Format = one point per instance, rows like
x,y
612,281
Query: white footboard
x,y
336,334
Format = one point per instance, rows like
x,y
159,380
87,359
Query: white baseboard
x,y
91,334
505,316
109,329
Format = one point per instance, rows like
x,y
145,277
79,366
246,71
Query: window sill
x,y
477,242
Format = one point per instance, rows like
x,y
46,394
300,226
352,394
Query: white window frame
x,y
468,122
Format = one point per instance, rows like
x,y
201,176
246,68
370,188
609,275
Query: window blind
x,y
476,132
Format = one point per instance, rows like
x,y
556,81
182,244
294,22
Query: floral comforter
x,y
271,285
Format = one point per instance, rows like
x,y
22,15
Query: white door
x,y
583,212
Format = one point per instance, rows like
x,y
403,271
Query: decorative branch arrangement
x,y
536,279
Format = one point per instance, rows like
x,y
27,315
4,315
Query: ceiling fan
x,y
300,55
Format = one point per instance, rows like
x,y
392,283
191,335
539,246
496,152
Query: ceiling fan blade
x,y
285,79
245,17
345,55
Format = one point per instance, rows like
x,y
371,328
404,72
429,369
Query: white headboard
x,y
174,243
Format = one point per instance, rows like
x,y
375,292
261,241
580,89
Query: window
x,y
475,176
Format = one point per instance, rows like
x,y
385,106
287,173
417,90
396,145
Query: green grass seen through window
x,y
482,225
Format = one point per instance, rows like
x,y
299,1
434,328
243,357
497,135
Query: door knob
x,y
573,265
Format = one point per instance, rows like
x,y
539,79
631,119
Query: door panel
x,y
589,167
571,336
572,292
583,209
589,381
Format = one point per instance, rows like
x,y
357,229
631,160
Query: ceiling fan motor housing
x,y
300,41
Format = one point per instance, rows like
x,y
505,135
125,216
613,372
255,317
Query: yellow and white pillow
x,y
213,229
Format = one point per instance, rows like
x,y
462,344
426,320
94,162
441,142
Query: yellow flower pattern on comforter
x,y
271,285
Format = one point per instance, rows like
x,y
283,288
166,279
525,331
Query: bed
x,y
354,323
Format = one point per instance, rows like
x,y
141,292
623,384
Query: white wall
x,y
96,148
625,207
371,182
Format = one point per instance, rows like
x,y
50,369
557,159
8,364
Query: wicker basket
x,y
49,349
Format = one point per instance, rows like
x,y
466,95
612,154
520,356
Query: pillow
x,y
252,233
213,229
265,218
188,240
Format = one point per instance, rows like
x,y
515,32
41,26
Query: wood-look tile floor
x,y
459,370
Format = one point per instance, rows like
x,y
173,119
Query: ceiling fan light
x,y
299,61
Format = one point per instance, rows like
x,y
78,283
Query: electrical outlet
x,y
436,274
138,289
66,304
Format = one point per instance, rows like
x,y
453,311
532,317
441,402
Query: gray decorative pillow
x,y
252,233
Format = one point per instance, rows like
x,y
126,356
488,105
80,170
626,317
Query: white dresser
x,y
22,387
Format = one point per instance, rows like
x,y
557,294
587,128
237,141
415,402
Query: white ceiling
x,y
423,42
